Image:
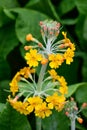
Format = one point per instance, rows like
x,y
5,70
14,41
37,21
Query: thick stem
x,y
38,123
41,76
73,124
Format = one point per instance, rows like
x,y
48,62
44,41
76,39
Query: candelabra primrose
x,y
48,91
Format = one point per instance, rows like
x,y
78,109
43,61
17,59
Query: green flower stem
x,y
41,76
38,123
73,124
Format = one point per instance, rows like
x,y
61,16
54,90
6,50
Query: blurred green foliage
x,y
20,17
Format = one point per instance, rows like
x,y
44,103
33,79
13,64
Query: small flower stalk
x,y
49,90
72,111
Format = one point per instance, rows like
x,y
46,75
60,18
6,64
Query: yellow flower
x,y
62,81
56,60
68,55
14,83
33,57
53,74
66,40
26,71
42,110
72,46
52,100
33,102
63,85
56,101
19,106
63,90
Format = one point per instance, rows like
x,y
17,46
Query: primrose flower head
x,y
54,53
48,90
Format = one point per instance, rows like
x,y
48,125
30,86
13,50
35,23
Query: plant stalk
x,y
73,124
38,123
41,76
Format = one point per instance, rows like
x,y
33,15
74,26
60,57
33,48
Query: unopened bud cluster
x,y
72,111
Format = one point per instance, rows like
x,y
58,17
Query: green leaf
x,y
8,39
9,3
4,69
81,6
73,88
85,29
28,22
10,119
65,6
84,68
81,97
4,90
69,21
44,6
22,50
8,14
57,121
2,106
81,93
3,18
80,32
80,127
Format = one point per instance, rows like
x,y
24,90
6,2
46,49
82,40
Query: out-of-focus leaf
x,y
4,90
69,21
3,18
85,29
9,3
81,6
81,97
44,6
4,69
79,32
84,68
81,93
28,22
73,88
65,6
83,56
8,14
10,119
2,106
80,127
8,39
5,15
57,121
22,50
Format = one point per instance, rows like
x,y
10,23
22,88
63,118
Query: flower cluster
x,y
72,111
49,90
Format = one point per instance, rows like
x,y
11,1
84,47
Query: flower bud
x,y
29,37
40,44
84,105
80,120
44,61
27,47
66,113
